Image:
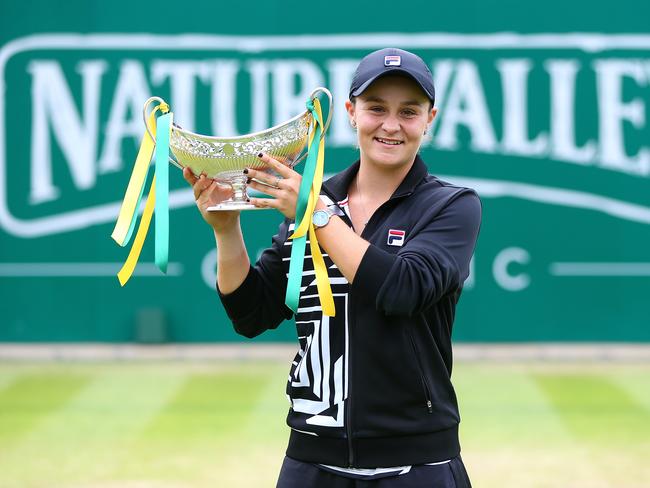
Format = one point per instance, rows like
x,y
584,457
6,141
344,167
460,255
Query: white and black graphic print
x,y
317,385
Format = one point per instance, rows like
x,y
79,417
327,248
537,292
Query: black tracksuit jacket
x,y
371,386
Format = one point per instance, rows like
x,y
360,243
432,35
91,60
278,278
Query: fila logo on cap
x,y
393,60
396,237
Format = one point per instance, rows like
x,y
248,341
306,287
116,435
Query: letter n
x,y
53,106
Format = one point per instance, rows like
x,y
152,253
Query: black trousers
x,y
296,474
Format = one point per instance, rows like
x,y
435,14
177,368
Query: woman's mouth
x,y
388,142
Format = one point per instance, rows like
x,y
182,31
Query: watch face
x,y
320,218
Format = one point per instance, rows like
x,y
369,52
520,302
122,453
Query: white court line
x,y
38,270
464,351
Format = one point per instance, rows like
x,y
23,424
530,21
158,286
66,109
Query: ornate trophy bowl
x,y
225,158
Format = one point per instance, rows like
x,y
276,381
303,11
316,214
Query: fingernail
x,y
259,155
246,171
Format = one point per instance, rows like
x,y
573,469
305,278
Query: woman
x,y
370,390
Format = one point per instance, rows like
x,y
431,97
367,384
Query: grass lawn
x,y
221,424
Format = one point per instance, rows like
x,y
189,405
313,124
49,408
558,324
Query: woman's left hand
x,y
283,189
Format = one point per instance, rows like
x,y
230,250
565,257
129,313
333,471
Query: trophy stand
x,y
239,199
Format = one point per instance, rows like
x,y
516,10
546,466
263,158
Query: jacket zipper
x,y
348,403
425,386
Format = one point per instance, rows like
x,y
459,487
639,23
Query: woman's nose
x,y
391,124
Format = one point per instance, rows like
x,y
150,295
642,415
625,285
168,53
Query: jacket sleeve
x,y
258,303
433,262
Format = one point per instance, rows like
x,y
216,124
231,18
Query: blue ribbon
x,y
163,127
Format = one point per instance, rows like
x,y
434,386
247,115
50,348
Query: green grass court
x,y
221,424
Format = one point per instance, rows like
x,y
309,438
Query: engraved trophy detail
x,y
225,158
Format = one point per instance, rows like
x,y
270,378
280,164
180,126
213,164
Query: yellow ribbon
x,y
136,248
322,279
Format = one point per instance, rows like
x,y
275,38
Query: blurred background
x,y
543,109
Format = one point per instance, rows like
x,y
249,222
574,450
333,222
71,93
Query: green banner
x,y
551,129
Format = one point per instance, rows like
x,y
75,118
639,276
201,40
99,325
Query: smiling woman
x,y
399,118
370,389
391,117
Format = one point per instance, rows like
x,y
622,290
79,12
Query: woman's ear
x,y
432,115
349,106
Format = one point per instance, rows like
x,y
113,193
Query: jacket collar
x,y
337,186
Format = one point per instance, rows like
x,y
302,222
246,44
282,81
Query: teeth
x,y
392,143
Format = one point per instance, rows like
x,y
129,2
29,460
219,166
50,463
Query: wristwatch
x,y
321,218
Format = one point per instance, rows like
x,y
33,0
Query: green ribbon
x,y
297,260
161,214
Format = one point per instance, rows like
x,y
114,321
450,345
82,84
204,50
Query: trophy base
x,y
230,206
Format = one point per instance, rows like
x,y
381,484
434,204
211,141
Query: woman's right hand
x,y
207,192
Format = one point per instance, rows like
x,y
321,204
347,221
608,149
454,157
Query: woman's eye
x,y
377,109
409,113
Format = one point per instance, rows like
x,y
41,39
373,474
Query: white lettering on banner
x,y
514,82
287,102
465,105
563,82
613,112
442,71
124,120
182,77
53,106
277,85
259,72
459,86
224,96
341,72
209,268
503,277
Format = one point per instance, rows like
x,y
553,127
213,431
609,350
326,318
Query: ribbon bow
x,y
157,199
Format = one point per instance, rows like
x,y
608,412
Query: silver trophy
x,y
225,158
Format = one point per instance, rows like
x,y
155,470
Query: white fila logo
x,y
392,60
396,237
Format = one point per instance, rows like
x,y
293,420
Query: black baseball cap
x,y
388,61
